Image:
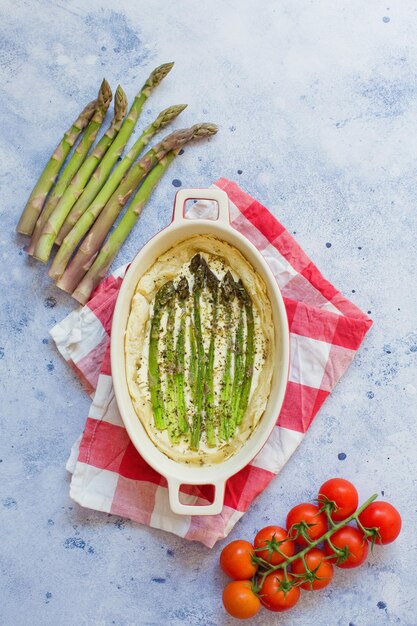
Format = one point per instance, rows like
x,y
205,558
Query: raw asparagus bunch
x,y
87,139
56,220
183,293
111,197
162,299
46,180
94,209
79,181
116,239
95,237
103,170
113,244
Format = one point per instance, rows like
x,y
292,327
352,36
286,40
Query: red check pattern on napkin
x,y
326,329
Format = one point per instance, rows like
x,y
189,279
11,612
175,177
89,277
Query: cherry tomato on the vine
x,y
236,560
278,595
343,494
322,569
269,537
353,540
385,517
316,522
239,600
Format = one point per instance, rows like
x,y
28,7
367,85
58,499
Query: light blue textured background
x,y
317,103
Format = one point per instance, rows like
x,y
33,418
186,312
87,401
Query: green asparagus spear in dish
x,y
212,283
183,292
238,374
227,295
198,267
163,297
249,351
193,360
170,386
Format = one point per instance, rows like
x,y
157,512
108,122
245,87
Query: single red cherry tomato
x,y
308,516
385,517
322,570
277,594
239,600
236,560
269,537
343,494
353,541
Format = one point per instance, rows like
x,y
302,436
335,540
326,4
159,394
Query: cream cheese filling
x,y
220,257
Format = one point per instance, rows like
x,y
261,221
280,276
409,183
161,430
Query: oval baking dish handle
x,y
193,509
212,193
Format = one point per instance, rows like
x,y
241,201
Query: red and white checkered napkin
x,y
326,329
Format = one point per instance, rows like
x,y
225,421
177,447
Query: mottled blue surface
x,y
317,103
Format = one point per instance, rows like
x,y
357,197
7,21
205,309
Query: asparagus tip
x,y
169,114
165,294
195,263
206,129
228,287
198,267
241,293
211,280
105,93
158,74
120,102
183,289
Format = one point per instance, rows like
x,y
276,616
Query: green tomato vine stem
x,y
269,568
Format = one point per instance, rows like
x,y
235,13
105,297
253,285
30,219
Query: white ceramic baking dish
x,y
176,473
